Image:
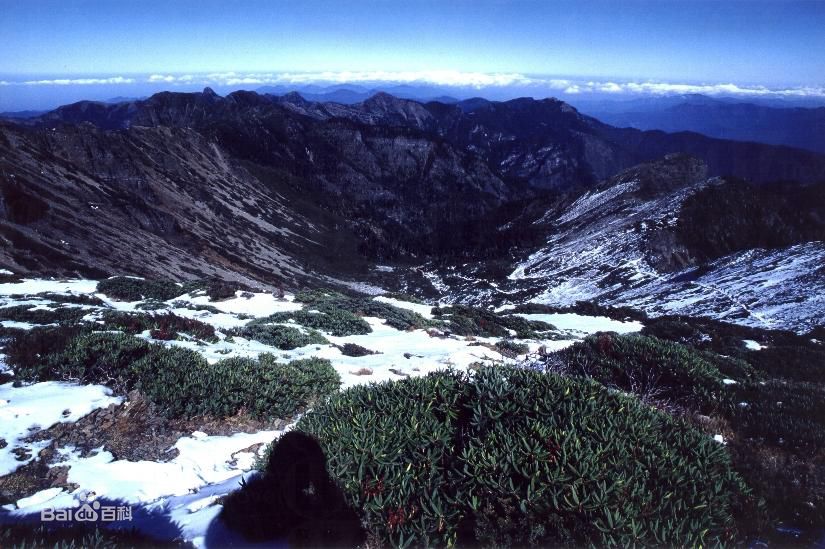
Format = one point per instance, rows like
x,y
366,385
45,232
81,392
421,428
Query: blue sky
x,y
776,44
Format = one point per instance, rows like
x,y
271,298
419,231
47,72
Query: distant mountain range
x,y
771,122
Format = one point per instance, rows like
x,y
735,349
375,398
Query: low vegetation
x,y
335,321
43,315
181,382
473,321
75,535
165,326
771,410
329,301
124,288
282,337
511,457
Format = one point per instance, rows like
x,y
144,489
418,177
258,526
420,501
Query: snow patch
x,y
586,325
753,345
31,408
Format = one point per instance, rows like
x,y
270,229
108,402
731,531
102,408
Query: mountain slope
x,y
282,191
620,244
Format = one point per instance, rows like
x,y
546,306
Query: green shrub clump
x,y
473,321
334,321
646,366
74,535
330,302
351,349
510,348
57,315
514,457
124,288
183,384
161,326
282,337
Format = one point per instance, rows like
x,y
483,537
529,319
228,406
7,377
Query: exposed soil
x,y
132,431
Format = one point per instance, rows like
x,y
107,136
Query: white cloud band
x,y
455,79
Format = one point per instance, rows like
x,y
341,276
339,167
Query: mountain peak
x,y
293,97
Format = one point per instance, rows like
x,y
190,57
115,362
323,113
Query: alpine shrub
x,y
165,326
26,352
780,414
124,288
336,322
472,321
351,349
182,383
282,337
510,348
645,365
57,315
514,457
329,301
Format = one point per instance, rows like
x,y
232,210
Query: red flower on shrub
x,y
396,518
372,489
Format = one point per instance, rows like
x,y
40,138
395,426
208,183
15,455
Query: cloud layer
x,y
450,79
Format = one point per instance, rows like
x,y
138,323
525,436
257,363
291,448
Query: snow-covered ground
x,y
606,246
31,408
184,489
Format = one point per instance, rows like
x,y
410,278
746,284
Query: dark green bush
x,y
472,321
182,383
510,348
648,366
330,302
181,304
75,535
786,415
511,457
26,351
792,362
165,326
151,305
58,315
282,337
313,297
260,387
74,299
351,349
95,358
335,322
123,288
785,355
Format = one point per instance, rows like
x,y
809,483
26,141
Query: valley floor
x,y
47,429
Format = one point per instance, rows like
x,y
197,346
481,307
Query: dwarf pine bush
x,y
124,288
637,363
473,321
165,326
514,457
57,315
329,301
336,322
182,383
510,348
282,337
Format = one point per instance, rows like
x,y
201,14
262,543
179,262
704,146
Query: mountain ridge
x,y
280,191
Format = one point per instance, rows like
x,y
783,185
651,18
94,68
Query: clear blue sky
x,y
779,42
